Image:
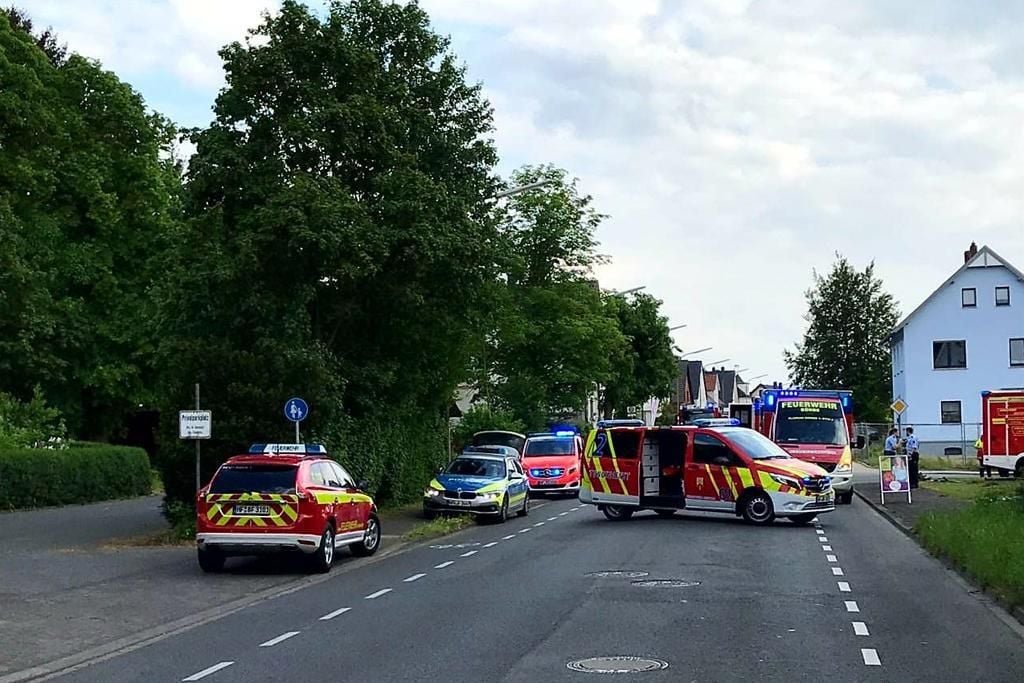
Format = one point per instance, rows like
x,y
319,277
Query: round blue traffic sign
x,y
295,409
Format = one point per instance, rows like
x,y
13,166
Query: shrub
x,y
24,424
36,477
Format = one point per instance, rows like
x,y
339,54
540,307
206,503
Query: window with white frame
x,y
949,412
969,297
1017,352
1002,296
949,354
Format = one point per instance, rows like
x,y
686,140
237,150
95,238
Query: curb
x,y
1012,616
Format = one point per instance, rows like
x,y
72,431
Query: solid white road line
x,y
539,524
870,656
414,577
826,548
280,639
836,571
851,606
831,558
335,613
469,553
206,672
509,537
444,564
374,596
492,544
860,628
844,587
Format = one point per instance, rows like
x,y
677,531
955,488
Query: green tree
x,y
554,337
647,367
483,418
88,197
339,245
850,317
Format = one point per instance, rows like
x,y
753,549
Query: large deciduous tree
x,y
339,245
647,367
850,317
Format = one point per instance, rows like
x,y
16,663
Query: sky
x,y
736,145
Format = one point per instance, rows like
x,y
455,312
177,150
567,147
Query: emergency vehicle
x,y
552,461
812,425
713,466
484,485
1002,436
284,498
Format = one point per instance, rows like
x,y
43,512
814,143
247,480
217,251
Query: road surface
x,y
854,600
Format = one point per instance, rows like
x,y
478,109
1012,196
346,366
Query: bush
x,y
24,424
36,477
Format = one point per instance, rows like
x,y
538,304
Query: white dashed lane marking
x,y
563,514
860,628
493,543
509,537
335,613
374,596
836,571
826,548
823,539
280,639
414,577
820,532
844,587
539,524
831,558
206,672
523,531
470,553
552,519
444,564
851,606
870,656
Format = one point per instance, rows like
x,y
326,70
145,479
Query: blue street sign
x,y
296,410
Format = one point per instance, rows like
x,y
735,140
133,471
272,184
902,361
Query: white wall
x,y
987,330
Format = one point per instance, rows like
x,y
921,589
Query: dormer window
x,y
1002,296
969,297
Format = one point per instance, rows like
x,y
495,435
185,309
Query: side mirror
x,y
362,485
860,441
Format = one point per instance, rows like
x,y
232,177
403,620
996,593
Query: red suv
x,y
284,498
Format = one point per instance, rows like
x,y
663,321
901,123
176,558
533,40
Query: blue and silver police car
x,y
485,485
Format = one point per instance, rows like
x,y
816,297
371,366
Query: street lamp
x,y
677,327
758,377
719,361
522,188
627,291
690,353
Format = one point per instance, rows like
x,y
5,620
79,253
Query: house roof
x,y
694,369
985,258
727,378
710,380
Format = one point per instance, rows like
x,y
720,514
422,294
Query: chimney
x,y
971,253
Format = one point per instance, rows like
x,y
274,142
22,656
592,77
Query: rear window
x,y
255,479
550,447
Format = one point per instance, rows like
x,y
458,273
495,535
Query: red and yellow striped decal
x,y
283,509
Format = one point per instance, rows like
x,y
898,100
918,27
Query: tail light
x,y
304,495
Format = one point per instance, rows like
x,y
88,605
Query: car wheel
x,y
845,498
617,513
758,509
665,513
210,561
323,558
503,515
802,520
371,538
526,507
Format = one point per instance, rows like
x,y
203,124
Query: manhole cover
x,y
617,665
666,583
617,573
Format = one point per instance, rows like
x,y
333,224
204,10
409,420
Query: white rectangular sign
x,y
194,424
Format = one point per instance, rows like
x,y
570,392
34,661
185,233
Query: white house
x,y
967,337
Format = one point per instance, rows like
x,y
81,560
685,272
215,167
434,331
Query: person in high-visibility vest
x,y
983,471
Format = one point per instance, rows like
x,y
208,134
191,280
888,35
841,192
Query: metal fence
x,y
954,441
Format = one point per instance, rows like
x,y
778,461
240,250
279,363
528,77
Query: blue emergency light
x,y
717,422
601,424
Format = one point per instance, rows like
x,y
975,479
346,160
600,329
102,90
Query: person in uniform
x,y
891,442
913,456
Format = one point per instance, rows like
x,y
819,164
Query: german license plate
x,y
239,510
824,498
463,503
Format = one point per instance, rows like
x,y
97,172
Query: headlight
x,y
431,493
844,467
572,470
486,497
786,481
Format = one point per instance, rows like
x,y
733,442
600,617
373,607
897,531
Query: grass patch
x,y
986,540
156,482
870,457
441,526
974,489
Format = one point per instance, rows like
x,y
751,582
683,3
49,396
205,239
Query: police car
x,y
485,485
284,498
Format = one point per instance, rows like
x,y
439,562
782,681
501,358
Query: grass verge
x,y
974,489
927,462
986,540
441,526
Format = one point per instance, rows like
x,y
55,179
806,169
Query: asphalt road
x,y
852,601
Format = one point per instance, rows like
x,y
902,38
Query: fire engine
x,y
1002,437
813,425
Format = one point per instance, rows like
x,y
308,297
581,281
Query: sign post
x,y
195,425
296,410
894,475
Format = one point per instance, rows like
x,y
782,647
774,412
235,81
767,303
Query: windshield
x,y
536,447
499,439
754,444
818,422
477,467
254,479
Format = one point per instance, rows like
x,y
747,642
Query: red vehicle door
x,y
613,466
714,476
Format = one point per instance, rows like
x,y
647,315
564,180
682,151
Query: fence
x,y
948,440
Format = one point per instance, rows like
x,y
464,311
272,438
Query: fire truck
x,y
814,425
1002,437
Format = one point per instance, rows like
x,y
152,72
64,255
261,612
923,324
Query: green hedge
x,y
37,477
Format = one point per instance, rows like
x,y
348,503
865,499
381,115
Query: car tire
x,y
210,561
526,506
666,513
617,513
503,514
803,520
758,509
370,541
429,514
845,498
323,559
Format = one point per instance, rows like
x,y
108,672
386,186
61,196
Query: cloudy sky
x,y
736,144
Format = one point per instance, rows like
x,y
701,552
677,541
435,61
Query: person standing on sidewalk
x,y
913,456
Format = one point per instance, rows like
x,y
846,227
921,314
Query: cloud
x,y
737,145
